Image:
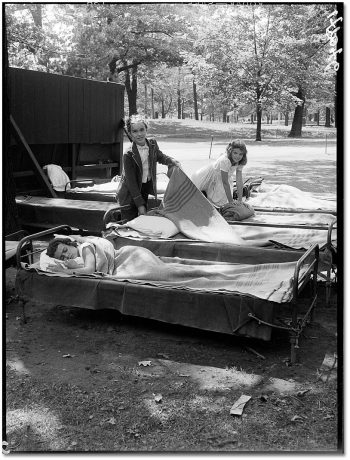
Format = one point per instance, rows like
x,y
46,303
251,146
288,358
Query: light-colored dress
x,y
208,179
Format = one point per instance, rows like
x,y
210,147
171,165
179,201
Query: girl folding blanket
x,y
271,281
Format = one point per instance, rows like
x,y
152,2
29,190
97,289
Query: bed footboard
x,y
300,280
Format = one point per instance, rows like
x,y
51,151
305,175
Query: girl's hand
x,y
72,263
57,268
142,210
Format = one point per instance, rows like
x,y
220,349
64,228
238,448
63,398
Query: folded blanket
x,y
236,211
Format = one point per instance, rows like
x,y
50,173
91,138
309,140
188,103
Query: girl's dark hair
x,y
53,245
136,118
238,144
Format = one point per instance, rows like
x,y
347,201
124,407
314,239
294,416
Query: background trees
x,y
200,60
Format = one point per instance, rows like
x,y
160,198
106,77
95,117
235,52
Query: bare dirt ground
x,y
93,381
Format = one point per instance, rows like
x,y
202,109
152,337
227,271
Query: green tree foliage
x,y
205,58
123,37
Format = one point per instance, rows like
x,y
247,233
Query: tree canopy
x,y
207,59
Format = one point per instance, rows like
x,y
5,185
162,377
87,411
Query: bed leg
x,y
294,348
328,288
23,302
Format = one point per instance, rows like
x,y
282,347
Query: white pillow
x,y
67,237
157,226
45,260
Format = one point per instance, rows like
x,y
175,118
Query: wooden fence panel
x,y
56,109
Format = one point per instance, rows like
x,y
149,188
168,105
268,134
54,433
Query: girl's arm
x,y
239,183
227,188
162,158
89,264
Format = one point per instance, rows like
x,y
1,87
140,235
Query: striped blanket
x,y
193,214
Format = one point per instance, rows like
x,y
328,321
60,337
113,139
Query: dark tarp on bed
x,y
50,212
208,311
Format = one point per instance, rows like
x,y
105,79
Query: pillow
x,y
156,226
236,211
56,235
45,261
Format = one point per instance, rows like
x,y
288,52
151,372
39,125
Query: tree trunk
x,y
328,117
304,116
298,116
146,101
163,109
131,89
195,102
37,15
182,109
286,118
152,102
179,104
258,122
318,118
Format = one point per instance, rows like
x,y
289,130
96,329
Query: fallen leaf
x,y
111,421
158,398
303,392
237,408
296,418
67,356
144,363
264,398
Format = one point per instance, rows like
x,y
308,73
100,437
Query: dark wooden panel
x,y
77,131
53,109
22,108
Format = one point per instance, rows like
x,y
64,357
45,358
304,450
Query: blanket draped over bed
x,y
193,214
286,196
198,219
272,281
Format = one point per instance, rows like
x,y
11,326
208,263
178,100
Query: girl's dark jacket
x,y
129,189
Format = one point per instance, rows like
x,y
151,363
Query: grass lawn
x,y
75,381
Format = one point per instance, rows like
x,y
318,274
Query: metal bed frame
x,y
30,283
